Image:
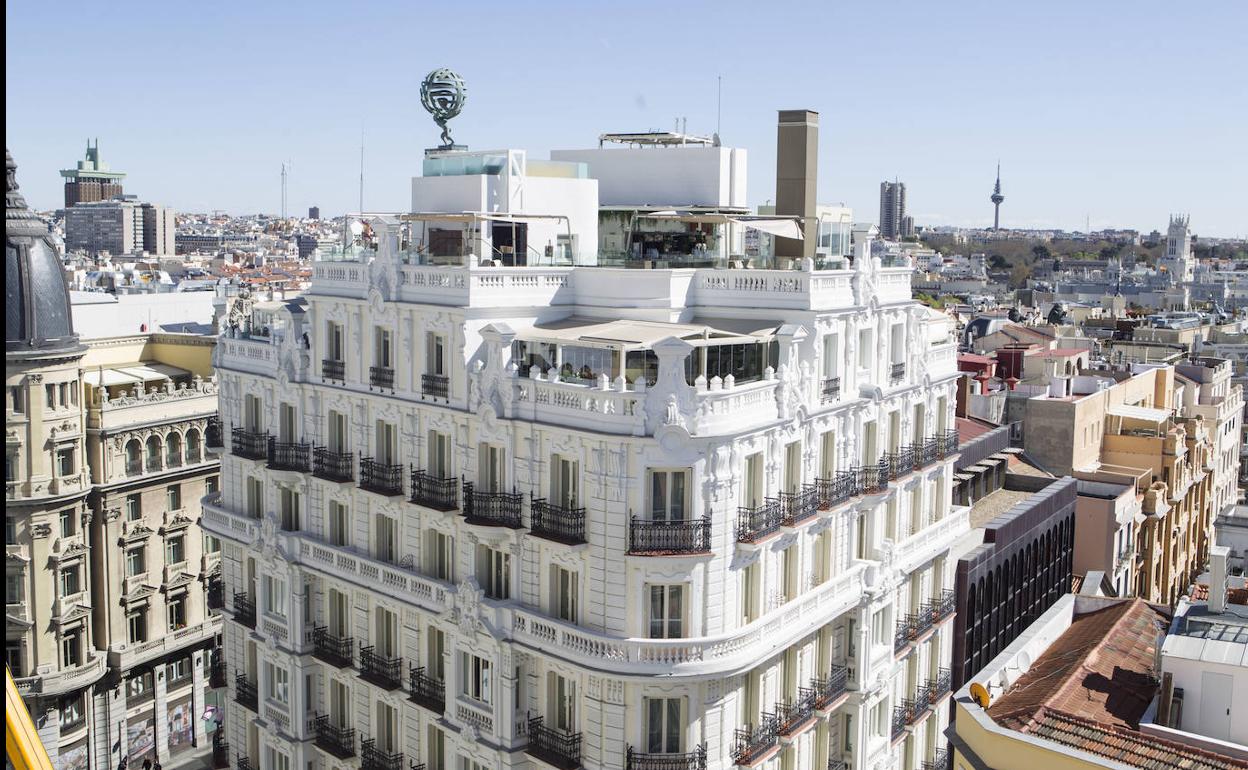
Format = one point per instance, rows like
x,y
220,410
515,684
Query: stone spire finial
x,y
16,212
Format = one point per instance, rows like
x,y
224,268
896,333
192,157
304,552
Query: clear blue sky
x,y
1121,111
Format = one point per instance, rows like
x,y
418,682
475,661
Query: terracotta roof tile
x,y
1123,744
1200,593
1076,582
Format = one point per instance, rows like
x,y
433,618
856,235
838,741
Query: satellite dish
x,y
980,694
1023,660
357,227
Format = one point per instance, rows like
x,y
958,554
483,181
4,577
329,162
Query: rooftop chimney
x,y
1217,578
797,162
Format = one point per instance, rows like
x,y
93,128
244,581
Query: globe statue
x,y
442,93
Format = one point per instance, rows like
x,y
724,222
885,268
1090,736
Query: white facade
x,y
684,176
497,563
1178,260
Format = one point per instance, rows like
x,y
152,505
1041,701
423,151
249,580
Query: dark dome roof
x,y
36,299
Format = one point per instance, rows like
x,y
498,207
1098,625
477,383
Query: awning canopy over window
x,y
1143,413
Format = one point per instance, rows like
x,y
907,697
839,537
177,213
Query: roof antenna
x,y
361,170
719,105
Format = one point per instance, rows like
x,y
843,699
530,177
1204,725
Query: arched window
x,y
193,451
153,453
173,450
134,457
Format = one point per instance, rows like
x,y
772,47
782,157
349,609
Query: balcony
x,y
249,444
440,494
337,651
382,478
896,373
435,386
661,538
220,750
692,760
216,594
926,452
831,390
217,672
380,670
426,691
751,742
245,610
829,688
553,746
938,762
492,509
245,693
900,719
373,758
555,522
836,490
242,762
754,524
213,433
333,371
381,378
918,705
871,479
795,713
837,764
338,741
945,606
289,456
940,686
900,463
333,466
796,507
947,443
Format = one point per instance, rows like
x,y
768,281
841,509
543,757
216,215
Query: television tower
x,y
997,199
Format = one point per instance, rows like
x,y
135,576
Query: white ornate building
x,y
493,517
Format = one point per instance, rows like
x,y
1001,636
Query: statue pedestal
x,y
446,148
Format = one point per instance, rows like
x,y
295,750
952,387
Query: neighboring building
x,y
120,227
1108,513
314,212
1210,392
92,180
1178,261
584,513
1082,687
892,209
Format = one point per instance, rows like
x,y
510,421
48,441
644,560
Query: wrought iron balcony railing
x,y
435,385
249,444
373,758
901,716
289,455
216,594
752,741
553,746
649,536
556,522
837,764
940,686
927,452
792,714
384,672
940,761
245,693
242,762
220,750
829,688
217,673
493,509
831,389
691,760
947,443
333,371
900,463
382,478
244,609
896,373
919,704
335,650
333,466
841,487
440,494
796,507
425,690
339,741
946,606
872,479
213,434
753,524
381,377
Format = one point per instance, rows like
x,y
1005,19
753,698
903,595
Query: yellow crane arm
x,y
25,750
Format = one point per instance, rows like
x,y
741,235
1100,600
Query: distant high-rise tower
x,y
91,180
1178,257
997,199
314,212
892,209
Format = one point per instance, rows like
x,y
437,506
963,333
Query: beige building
x,y
107,626
1138,428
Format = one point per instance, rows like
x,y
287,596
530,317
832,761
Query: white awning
x,y
1143,413
107,378
784,227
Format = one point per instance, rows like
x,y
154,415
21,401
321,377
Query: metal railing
x,y
829,688
217,673
919,704
947,443
554,746
373,758
691,760
213,434
900,463
435,385
792,714
245,693
333,370
796,507
926,452
249,444
242,762
244,609
945,606
216,594
382,478
289,455
441,494
752,741
941,685
335,650
339,741
425,690
333,466
669,537
380,670
220,750
831,389
495,509
753,524
938,762
833,491
872,479
901,715
381,377
556,522
896,373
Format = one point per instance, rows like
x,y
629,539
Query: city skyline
x,y
1076,149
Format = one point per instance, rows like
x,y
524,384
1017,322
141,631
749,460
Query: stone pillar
x,y
160,714
605,741
199,662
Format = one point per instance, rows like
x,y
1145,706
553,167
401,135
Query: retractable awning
x,y
1142,413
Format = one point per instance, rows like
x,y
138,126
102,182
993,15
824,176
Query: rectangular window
x,y
275,595
176,613
50,392
435,654
178,671
278,680
382,355
386,546
565,481
339,524
16,402
386,442
435,351
70,583
494,572
337,432
386,633
10,530
253,417
561,702
831,356
752,483
751,598
664,725
65,462
211,485
140,686
134,509
440,556
211,544
565,594
333,341
789,564
136,626
13,588
490,473
175,549
476,677
668,495
667,611
439,455
173,497
435,753
67,522
255,498
136,561
288,500
865,351
287,423
879,627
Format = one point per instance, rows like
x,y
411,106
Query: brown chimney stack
x,y
797,163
